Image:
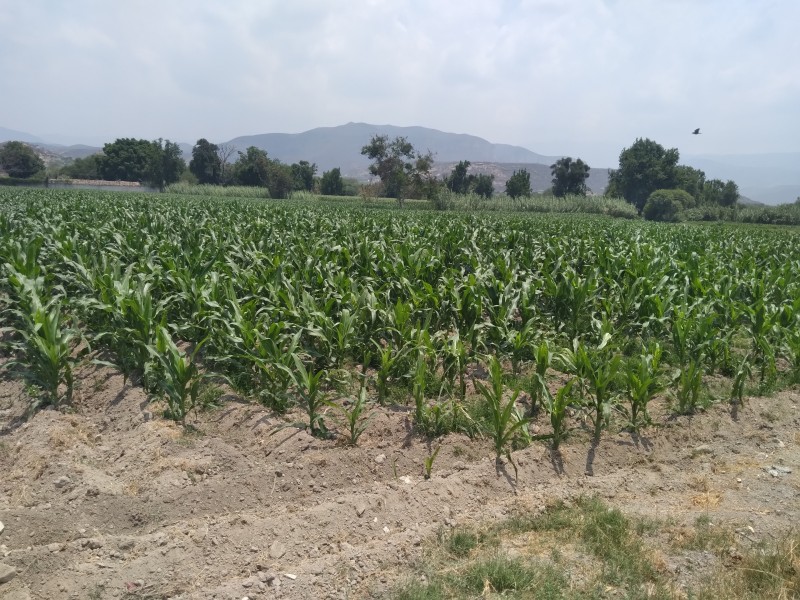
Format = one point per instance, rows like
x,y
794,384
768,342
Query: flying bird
x,y
696,131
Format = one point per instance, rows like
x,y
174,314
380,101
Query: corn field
x,y
287,302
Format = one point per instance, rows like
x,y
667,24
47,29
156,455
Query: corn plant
x,y
743,374
543,357
429,462
792,353
642,382
354,418
180,378
598,372
454,364
689,382
309,385
389,359
556,408
46,351
504,422
418,386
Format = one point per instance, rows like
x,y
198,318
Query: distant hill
x,y
772,178
340,146
12,135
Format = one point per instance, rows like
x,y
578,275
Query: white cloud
x,y
582,78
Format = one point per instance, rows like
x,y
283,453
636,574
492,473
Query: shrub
x,y
664,205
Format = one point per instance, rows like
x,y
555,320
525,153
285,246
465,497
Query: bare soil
x,y
109,500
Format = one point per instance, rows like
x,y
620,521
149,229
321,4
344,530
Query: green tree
x,y
332,184
303,175
399,167
459,181
720,193
643,168
569,177
255,168
20,160
690,180
730,194
83,168
280,179
519,184
206,163
665,205
166,164
126,159
252,168
484,185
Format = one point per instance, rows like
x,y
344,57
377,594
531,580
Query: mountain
x,y
12,135
771,178
331,147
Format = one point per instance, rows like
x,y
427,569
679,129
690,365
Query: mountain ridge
x,y
772,178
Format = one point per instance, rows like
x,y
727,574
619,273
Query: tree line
x,y
649,176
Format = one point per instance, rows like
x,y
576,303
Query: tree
x,y
715,191
664,205
424,183
397,165
255,168
303,175
458,181
280,180
166,164
519,184
126,159
643,168
224,153
206,163
20,160
252,168
484,185
569,177
83,168
690,180
331,183
730,194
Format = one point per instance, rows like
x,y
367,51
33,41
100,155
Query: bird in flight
x,y
696,131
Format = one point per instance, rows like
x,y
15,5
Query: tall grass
x,y
217,191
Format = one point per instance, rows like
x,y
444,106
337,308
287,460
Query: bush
x,y
664,205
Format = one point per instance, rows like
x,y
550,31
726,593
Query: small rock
x,y
360,509
7,573
55,547
94,544
247,584
277,550
702,449
62,482
126,544
2,527
290,576
92,492
380,458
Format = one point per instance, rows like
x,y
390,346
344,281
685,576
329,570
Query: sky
x,y
582,78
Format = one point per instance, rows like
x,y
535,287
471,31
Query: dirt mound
x,y
112,501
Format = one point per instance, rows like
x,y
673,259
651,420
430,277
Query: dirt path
x,y
111,501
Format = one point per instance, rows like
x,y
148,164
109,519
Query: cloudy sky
x,y
583,78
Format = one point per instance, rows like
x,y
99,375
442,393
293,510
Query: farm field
x,y
204,396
